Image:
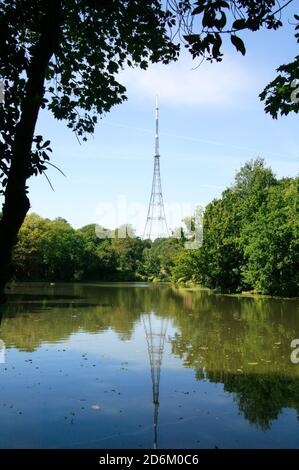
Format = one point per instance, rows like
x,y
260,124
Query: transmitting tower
x,y
155,337
156,225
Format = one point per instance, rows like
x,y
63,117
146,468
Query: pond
x,y
141,366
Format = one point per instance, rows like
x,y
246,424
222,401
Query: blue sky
x,y
211,121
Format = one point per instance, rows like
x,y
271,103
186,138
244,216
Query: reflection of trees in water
x,y
261,397
243,343
45,314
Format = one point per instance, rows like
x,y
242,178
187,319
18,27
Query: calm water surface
x,y
137,365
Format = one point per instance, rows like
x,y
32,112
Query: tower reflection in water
x,y
155,331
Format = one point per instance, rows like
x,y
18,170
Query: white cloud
x,y
218,84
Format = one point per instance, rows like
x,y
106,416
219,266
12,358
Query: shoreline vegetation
x,y
250,245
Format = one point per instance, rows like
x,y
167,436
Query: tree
x,y
28,253
64,56
271,242
48,250
187,267
99,260
159,259
221,256
250,237
223,260
129,250
62,251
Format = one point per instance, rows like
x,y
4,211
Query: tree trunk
x,y
16,202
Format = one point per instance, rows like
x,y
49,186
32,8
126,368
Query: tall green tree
x,y
48,251
28,253
99,259
62,251
160,258
271,242
129,252
221,256
250,237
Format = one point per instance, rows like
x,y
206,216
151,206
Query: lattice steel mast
x,y
155,345
156,225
